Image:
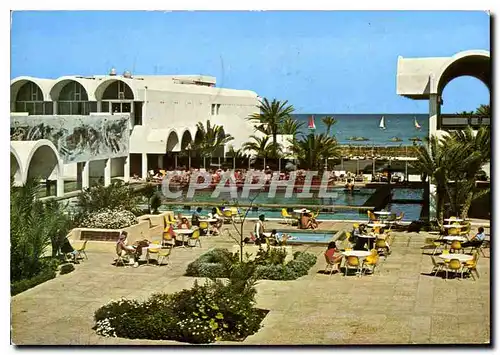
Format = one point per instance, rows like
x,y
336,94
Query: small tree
x,y
238,225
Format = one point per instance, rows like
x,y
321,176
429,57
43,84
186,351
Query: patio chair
x,y
168,237
352,262
456,246
196,237
152,251
465,231
398,219
471,265
437,265
227,216
371,216
381,247
169,220
331,265
219,213
287,218
204,227
453,265
164,253
432,243
81,251
370,261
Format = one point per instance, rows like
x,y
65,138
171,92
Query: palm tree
x,y
483,111
473,150
262,147
434,161
291,126
313,149
210,139
329,121
34,226
271,118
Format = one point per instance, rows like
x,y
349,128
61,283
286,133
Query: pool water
x,y
313,238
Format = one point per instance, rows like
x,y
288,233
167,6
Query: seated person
x,y
477,240
361,240
195,218
307,221
281,238
123,249
184,224
215,225
68,250
333,254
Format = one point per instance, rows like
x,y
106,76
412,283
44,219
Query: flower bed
x,y
211,264
203,314
110,219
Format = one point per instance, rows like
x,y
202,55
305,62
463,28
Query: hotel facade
x,y
161,114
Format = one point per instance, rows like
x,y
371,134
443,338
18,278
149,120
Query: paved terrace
x,y
400,304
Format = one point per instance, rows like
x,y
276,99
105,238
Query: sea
x,y
367,125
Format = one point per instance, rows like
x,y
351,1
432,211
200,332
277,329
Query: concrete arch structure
x,y
45,86
173,141
16,167
38,159
60,83
104,84
186,138
426,78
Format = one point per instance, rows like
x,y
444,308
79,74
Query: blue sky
x,y
321,62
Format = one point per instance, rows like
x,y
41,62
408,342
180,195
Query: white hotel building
x,y
163,109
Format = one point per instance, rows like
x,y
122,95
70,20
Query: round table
x,y
376,225
453,226
453,220
382,213
183,233
358,253
267,234
209,220
455,237
301,211
461,257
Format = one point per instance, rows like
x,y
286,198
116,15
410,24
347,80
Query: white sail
x,y
417,126
382,123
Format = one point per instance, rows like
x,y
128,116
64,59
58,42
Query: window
x,y
218,108
213,109
138,113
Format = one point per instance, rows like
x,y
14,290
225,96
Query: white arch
x,y
16,168
26,150
88,84
173,141
103,85
452,60
44,84
191,137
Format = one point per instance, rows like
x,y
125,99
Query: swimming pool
x,y
310,238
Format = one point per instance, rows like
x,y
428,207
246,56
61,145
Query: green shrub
x,y
205,313
66,268
23,285
218,263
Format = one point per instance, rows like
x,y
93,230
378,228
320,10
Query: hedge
x,y
23,285
210,265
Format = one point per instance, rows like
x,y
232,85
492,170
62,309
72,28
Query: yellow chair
x,y
196,237
432,243
169,220
204,226
81,250
371,260
352,262
219,213
471,265
152,251
164,253
465,230
456,246
228,216
331,265
437,266
454,265
287,218
371,216
380,246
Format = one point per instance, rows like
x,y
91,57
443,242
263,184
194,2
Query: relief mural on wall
x,y
77,138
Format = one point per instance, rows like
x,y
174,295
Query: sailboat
x,y
382,123
311,124
417,126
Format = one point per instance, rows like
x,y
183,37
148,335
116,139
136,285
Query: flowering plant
x,y
109,219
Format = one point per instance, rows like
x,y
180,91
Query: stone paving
x,y
400,304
